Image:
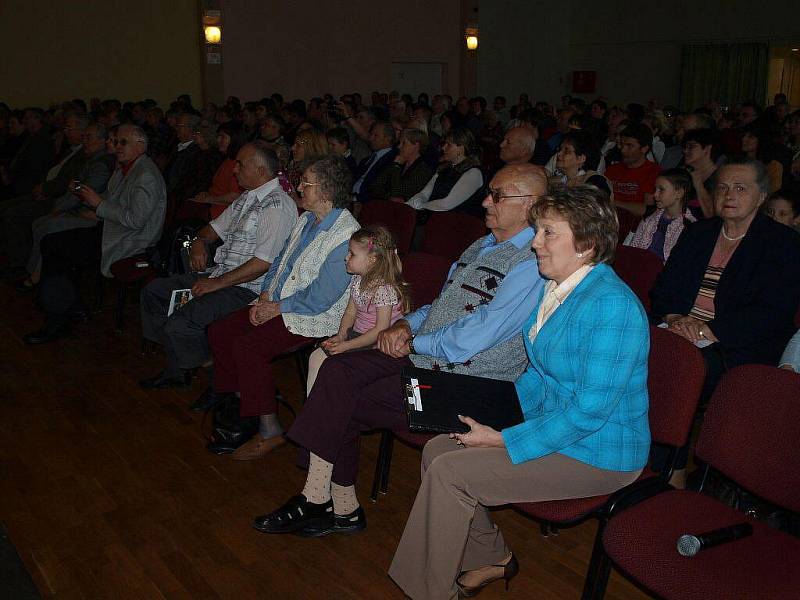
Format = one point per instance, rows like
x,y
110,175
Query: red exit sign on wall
x,y
584,82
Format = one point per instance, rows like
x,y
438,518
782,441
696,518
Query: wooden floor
x,y
107,490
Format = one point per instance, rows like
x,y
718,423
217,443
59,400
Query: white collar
x,y
265,188
183,145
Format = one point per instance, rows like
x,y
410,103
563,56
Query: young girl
x,y
660,231
378,296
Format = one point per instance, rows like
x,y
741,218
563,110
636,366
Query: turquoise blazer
x,y
584,393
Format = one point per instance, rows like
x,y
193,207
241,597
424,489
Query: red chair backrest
x,y
751,430
398,218
676,371
628,222
426,275
639,269
448,234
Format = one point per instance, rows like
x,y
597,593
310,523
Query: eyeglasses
x,y
497,196
123,141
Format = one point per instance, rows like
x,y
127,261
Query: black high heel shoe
x,y
510,570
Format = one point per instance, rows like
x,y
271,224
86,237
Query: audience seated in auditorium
x,y
35,156
225,187
19,213
582,435
659,232
68,212
301,298
180,173
408,173
132,213
633,179
307,144
371,182
458,185
576,162
253,231
700,155
784,207
339,144
756,145
461,332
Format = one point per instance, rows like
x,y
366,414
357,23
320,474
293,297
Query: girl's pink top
x,y
367,304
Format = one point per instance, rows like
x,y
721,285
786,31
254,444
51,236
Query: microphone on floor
x,y
689,545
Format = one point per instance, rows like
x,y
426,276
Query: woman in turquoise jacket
x,y
584,400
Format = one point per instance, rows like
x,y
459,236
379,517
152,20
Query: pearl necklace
x,y
731,239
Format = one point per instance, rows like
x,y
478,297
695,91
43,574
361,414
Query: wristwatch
x,y
411,346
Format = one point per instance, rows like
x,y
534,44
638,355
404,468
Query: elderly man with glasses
x,y
473,328
132,214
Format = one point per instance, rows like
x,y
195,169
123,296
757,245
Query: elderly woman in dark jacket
x,y
732,282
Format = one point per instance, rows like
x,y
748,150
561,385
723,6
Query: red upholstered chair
x,y
675,378
749,434
450,233
628,222
426,273
639,269
134,270
397,217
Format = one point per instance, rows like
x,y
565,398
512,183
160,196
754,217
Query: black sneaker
x,y
296,514
355,522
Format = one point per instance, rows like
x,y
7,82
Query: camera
x,y
76,187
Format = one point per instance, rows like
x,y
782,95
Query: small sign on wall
x,y
584,82
214,58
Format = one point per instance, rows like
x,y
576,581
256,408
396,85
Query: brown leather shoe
x,y
257,447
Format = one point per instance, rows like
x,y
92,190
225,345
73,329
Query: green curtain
x,y
728,73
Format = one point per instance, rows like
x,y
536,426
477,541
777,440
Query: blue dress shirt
x,y
492,323
331,282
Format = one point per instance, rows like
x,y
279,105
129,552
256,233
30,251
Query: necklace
x,y
731,239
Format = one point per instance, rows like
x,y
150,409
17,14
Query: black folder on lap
x,y
434,399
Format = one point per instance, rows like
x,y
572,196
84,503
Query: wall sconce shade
x,y
213,34
472,42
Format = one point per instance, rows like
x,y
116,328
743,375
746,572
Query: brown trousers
x,y
449,529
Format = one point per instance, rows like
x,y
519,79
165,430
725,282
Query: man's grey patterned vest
x,y
475,281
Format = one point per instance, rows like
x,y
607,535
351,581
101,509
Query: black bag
x,y
227,426
171,256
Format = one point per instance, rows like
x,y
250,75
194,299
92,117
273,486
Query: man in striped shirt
x,y
253,230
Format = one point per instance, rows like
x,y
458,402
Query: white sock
x,y
318,481
345,500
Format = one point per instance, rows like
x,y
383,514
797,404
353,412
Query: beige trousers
x,y
449,529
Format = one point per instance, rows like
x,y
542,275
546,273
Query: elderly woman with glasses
x,y
583,396
303,297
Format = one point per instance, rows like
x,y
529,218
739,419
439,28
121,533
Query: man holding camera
x,y
132,215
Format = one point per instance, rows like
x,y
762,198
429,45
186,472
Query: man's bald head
x,y
521,179
517,146
516,188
